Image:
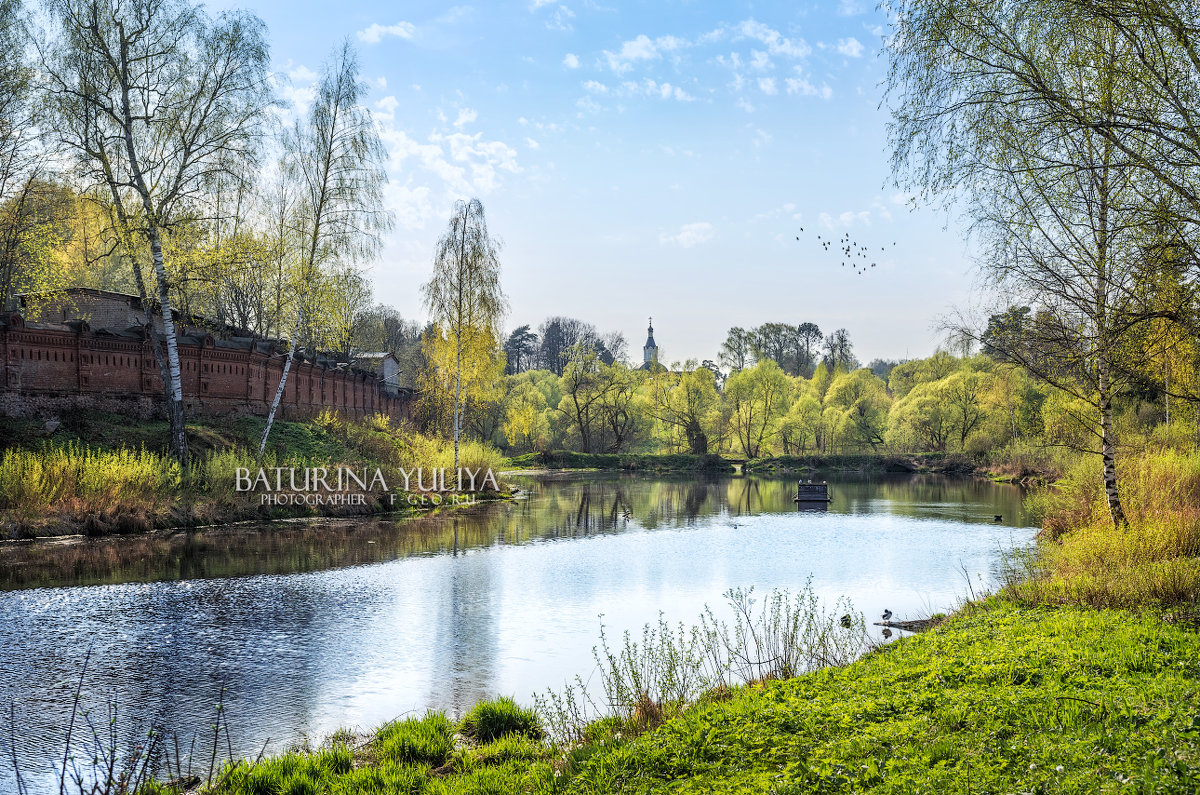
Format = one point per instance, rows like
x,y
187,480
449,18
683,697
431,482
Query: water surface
x,y
308,627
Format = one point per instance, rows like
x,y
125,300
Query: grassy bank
x,y
1001,698
1027,464
104,474
667,462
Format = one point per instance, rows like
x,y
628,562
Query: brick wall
x,y
48,367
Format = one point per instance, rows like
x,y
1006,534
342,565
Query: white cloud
x,y
571,61
561,19
301,74
643,48
639,49
376,32
800,84
593,87
465,117
846,220
761,60
788,209
849,8
689,235
777,43
745,104
588,105
387,107
851,47
767,86
532,144
427,175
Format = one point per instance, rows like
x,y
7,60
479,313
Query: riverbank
x,y
628,462
1024,466
98,475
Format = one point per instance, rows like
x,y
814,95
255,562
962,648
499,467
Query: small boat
x,y
807,491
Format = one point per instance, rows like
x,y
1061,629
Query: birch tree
x,y
154,99
16,112
1009,108
335,159
464,294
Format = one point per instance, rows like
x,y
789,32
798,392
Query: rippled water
x,y
313,626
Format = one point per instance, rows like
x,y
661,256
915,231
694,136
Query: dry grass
x,y
1154,560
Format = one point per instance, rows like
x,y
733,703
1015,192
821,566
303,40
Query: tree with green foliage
x,y
1020,102
861,399
685,404
153,99
757,400
464,293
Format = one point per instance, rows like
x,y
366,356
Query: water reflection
x,y
311,626
562,508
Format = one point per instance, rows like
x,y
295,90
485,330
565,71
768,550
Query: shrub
x,y
488,721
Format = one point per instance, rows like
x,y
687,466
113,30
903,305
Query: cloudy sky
x,y
646,158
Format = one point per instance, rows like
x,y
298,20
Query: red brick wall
x,y
40,364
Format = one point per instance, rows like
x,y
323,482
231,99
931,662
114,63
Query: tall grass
x,y
400,447
1154,560
82,479
130,489
647,681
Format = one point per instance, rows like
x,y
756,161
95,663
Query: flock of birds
x,y
853,253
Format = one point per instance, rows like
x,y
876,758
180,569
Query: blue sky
x,y
646,158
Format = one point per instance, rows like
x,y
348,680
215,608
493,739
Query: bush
x,y
489,721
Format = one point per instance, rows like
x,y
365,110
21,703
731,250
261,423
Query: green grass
x,y
489,721
416,741
999,699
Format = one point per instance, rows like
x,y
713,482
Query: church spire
x,y
650,351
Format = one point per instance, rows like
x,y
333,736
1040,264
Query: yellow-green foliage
x,y
1156,559
400,447
83,479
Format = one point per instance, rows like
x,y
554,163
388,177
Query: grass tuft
x,y
417,741
489,721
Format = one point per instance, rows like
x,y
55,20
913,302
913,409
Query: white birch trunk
x,y
174,387
287,366
457,395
